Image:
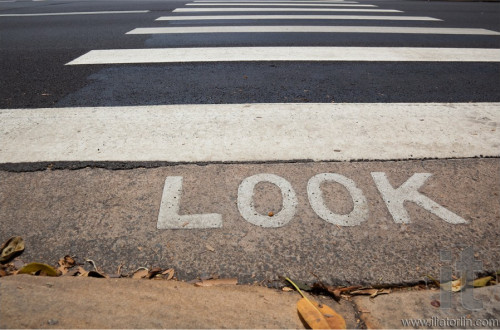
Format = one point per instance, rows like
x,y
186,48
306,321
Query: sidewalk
x,y
81,302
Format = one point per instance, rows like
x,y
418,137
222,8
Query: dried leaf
x,y
287,289
366,292
311,315
209,248
454,286
12,248
3,273
170,274
36,268
82,271
483,281
218,282
335,320
153,272
95,274
316,315
435,303
140,273
65,263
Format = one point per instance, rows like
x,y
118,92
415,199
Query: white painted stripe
x,y
264,1
250,132
287,9
235,54
77,13
295,17
311,29
280,4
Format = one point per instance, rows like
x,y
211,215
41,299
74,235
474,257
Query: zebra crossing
x,y
221,125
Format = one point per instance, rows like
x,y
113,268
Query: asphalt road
x,y
34,51
359,171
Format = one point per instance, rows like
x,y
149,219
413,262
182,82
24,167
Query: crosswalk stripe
x,y
78,13
311,29
281,4
265,1
250,132
270,9
294,17
232,54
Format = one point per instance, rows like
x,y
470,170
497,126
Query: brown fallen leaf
x,y
169,273
371,292
153,272
65,264
10,249
40,269
140,273
209,248
217,282
435,303
317,316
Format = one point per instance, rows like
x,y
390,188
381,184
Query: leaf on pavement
x,y
65,264
12,248
371,292
335,320
36,268
153,272
454,286
483,281
311,315
140,273
169,273
317,316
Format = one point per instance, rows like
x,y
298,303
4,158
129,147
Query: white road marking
x,y
77,13
395,198
282,4
265,1
199,10
294,17
237,54
311,29
315,195
251,132
247,208
169,217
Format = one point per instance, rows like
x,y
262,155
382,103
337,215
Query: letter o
x,y
246,204
315,195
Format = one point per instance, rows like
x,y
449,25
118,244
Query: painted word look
x,y
394,198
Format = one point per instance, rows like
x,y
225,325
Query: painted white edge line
x,y
250,132
293,17
281,4
311,29
199,10
77,13
236,54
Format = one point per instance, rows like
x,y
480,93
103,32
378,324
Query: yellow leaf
x,y
483,281
311,315
36,268
335,320
454,286
13,247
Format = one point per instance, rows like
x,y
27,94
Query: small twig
x,y
93,264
